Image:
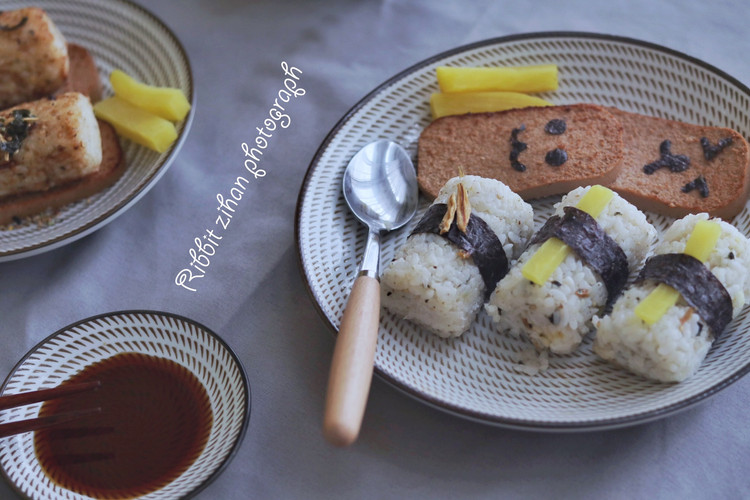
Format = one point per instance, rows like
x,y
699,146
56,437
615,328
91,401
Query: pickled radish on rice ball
x,y
696,282
574,266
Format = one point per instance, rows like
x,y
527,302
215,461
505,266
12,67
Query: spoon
x,y
380,187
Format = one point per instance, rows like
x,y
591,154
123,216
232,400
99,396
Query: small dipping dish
x,y
174,401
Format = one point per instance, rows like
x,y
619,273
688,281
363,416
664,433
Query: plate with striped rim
x,y
168,337
475,376
120,35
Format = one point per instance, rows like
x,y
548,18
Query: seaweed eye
x,y
556,126
556,157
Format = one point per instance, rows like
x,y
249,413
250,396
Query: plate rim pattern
x,y
77,232
177,318
522,424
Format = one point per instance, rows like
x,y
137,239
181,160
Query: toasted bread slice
x,y
61,143
84,78
111,168
33,56
727,175
481,144
83,75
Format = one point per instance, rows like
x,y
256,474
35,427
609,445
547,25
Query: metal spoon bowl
x,y
380,187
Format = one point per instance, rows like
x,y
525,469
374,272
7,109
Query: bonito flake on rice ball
x,y
440,278
668,341
599,239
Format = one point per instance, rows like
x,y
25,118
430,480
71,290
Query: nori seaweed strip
x,y
597,249
696,283
479,241
711,151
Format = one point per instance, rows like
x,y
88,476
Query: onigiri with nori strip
x,y
440,279
555,315
674,345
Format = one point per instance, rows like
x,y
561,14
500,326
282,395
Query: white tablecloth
x,y
253,294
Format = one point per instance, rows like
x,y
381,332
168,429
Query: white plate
x,y
71,349
474,376
119,35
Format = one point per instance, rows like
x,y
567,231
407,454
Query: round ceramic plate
x,y
119,35
476,376
162,335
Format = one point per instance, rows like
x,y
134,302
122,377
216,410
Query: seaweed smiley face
x,y
537,151
554,157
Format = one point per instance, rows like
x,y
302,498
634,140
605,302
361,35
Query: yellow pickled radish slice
x,y
442,104
166,102
700,244
553,251
136,124
526,79
595,200
703,239
545,260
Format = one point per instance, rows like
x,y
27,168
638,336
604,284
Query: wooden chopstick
x,y
25,398
35,424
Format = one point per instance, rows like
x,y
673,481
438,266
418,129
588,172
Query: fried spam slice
x,y
535,151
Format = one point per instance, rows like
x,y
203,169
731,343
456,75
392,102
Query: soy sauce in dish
x,y
154,422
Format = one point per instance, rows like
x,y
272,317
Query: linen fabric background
x,y
254,296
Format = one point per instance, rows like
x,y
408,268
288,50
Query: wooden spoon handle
x,y
352,364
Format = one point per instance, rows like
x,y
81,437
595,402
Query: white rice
x,y
429,283
531,362
673,348
557,316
